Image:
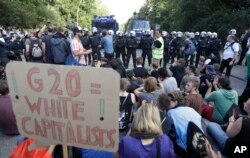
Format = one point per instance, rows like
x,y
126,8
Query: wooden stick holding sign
x,y
65,151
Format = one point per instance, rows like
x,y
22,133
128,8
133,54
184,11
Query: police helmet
x,y
147,32
118,32
173,32
214,35
110,32
233,32
164,33
191,35
179,34
197,34
94,29
209,34
203,34
85,29
132,33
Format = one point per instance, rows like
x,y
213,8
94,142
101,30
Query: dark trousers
x,y
225,64
217,55
200,52
109,56
131,51
242,55
148,53
119,52
96,54
166,57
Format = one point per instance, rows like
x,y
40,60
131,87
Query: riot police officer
x,y
215,46
166,55
146,45
121,46
202,47
193,39
176,44
131,45
86,44
95,42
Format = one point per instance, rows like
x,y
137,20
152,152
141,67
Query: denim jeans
x,y
217,133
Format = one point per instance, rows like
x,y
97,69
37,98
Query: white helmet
x,y
209,34
233,32
192,35
110,32
173,32
164,33
179,34
132,33
214,35
94,29
86,29
197,34
118,32
147,32
203,34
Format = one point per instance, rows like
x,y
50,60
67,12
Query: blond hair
x,y
147,120
124,84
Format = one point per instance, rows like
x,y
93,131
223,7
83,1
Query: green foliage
x,y
34,13
199,15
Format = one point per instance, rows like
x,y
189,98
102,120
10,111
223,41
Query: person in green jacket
x,y
224,97
158,47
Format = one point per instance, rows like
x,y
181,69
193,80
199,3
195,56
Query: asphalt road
x,y
7,143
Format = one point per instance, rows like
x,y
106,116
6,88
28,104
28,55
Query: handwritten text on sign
x,y
66,105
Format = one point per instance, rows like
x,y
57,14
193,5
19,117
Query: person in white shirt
x,y
231,51
169,83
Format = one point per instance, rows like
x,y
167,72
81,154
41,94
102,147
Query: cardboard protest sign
x,y
66,105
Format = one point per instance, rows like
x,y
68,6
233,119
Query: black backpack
x,y
86,42
196,141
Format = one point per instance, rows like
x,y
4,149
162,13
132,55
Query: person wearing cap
x,y
158,47
77,48
107,43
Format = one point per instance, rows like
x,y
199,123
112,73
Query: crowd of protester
x,y
161,105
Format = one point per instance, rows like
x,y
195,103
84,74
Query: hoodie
x,y
223,100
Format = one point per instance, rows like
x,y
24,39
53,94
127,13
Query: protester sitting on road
x,y
193,99
150,91
146,136
155,72
139,70
7,117
169,83
135,82
178,70
238,130
209,75
190,73
127,100
224,98
115,66
163,102
181,116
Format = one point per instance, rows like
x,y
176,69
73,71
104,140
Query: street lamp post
x,y
78,11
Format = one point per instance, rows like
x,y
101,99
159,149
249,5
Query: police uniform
x,y
121,48
131,44
146,45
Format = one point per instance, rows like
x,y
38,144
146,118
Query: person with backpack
x,y
181,116
59,47
146,138
33,49
230,54
127,100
